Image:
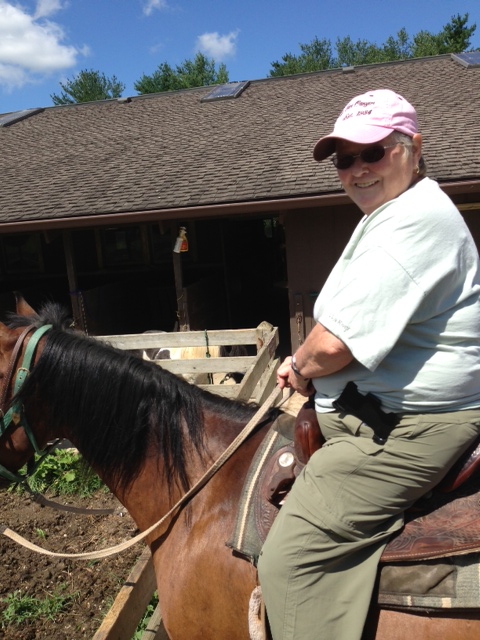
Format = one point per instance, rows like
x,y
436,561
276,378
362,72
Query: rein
x,y
110,551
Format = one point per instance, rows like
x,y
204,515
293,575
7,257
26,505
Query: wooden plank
x,y
223,337
266,353
155,629
225,390
131,602
267,383
262,331
238,364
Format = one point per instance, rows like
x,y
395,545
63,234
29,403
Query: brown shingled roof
x,y
170,150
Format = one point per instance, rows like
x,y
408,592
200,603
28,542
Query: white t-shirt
x,y
405,298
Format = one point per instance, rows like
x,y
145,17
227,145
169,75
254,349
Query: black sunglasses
x,y
370,155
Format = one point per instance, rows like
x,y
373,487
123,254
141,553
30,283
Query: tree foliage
x,y
315,56
199,72
88,86
318,55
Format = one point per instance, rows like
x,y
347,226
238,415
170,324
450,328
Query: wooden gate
x,y
258,370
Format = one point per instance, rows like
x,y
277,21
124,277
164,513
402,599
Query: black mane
x,y
117,405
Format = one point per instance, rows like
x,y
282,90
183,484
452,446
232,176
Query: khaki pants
x,y
318,565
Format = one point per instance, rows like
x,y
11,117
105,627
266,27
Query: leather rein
x,y
16,415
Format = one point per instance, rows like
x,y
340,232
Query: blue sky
x,y
45,42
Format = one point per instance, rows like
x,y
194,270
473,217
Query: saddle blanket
x,y
448,583
255,515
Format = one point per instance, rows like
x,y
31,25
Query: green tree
x,y
352,54
316,56
397,48
199,72
88,86
453,38
457,35
162,79
427,44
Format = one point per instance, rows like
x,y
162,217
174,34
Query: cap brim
x,y
326,145
324,148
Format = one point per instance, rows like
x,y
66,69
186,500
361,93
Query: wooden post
x,y
76,302
182,312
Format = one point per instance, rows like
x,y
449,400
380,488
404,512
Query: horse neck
x,y
148,498
219,434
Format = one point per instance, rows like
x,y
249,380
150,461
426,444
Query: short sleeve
x,y
371,306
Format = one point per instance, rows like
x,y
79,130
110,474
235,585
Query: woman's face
x,y
370,185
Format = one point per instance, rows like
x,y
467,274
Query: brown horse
x,y
150,436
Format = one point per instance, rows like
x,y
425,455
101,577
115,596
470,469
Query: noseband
x,y
15,414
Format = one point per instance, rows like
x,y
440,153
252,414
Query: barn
x,y
204,208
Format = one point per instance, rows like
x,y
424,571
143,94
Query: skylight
x,y
467,58
226,91
16,116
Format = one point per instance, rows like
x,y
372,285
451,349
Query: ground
x,y
93,584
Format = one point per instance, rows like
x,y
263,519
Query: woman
x,y
399,317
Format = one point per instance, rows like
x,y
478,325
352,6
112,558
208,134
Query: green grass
x,y
22,608
146,617
65,473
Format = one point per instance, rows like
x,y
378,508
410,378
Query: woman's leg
x,y
318,565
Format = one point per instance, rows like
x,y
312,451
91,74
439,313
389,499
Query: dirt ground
x,y
93,585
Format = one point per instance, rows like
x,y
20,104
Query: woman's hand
x,y
287,378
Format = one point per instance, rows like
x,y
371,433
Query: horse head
x,y
20,345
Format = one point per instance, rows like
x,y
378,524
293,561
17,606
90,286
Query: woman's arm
x,y
321,354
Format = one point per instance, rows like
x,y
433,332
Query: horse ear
x,y
23,308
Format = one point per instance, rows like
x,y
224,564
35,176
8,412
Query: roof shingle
x,y
171,150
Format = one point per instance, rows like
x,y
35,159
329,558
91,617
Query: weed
x,y
24,608
65,473
146,617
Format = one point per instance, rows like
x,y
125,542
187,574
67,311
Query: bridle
x,y
15,414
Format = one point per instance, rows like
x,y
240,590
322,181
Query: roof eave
x,y
206,211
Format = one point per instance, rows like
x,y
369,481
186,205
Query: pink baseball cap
x,y
369,118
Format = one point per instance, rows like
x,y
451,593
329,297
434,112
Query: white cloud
x,y
47,7
150,5
218,47
12,77
30,45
